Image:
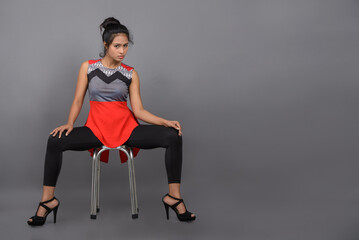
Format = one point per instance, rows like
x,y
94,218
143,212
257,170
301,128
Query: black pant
x,y
143,136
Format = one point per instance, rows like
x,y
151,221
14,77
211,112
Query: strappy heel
x,y
37,220
186,216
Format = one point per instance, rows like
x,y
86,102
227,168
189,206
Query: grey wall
x,y
266,93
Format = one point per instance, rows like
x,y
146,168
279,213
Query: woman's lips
x,y
121,56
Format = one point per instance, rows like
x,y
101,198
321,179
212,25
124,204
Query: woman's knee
x,y
54,142
172,136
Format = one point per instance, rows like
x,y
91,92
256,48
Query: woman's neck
x,y
109,63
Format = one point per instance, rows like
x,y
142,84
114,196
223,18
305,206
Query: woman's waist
x,y
113,108
108,103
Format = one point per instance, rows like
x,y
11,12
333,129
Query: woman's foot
x,y
42,211
171,200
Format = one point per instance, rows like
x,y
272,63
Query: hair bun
x,y
108,22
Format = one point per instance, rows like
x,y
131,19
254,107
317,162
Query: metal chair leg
x,y
93,186
98,186
134,179
130,177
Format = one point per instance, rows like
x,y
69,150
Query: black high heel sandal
x,y
37,220
185,217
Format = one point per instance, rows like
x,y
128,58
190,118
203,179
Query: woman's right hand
x,y
62,128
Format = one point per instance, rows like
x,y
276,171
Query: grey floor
x,y
275,206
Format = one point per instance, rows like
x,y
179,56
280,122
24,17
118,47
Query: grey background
x,y
266,92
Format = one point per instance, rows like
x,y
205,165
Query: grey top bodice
x,y
107,84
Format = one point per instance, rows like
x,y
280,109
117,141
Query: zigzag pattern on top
x,y
124,69
108,79
92,61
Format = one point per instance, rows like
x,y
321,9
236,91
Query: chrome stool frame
x,y
95,188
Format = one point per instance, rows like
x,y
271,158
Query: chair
x,y
95,188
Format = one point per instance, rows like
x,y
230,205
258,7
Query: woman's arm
x,y
136,103
76,106
80,93
140,112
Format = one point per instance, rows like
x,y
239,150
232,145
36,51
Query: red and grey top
x,y
109,118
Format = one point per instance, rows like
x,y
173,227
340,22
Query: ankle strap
x,y
49,200
179,199
44,206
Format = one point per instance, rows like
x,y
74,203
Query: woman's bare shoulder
x,y
84,66
135,75
85,63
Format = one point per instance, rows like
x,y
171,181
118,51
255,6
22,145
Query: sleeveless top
x,y
109,118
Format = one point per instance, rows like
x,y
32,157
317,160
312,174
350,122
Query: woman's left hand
x,y
174,124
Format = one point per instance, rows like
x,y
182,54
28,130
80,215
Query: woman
x,y
111,123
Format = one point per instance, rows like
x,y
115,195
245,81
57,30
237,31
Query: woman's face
x,y
118,48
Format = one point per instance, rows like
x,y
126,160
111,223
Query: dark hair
x,y
109,28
